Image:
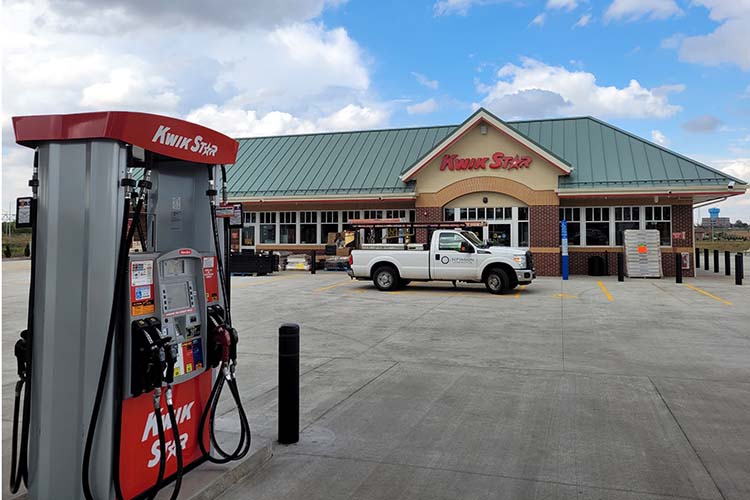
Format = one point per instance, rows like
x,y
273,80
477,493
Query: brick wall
x,y
545,226
547,264
427,214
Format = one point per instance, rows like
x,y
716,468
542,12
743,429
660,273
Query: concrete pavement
x,y
552,392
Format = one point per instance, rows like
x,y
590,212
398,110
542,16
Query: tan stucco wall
x,y
540,176
493,200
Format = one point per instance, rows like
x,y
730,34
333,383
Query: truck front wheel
x,y
385,279
497,281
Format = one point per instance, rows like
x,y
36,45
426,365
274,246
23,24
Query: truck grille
x,y
529,260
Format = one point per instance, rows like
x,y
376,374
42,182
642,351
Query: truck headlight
x,y
521,260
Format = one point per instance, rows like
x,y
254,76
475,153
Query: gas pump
x,y
130,350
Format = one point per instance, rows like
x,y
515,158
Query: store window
x,y
449,214
267,227
573,217
660,218
626,218
597,226
308,228
288,228
523,226
348,215
329,226
248,229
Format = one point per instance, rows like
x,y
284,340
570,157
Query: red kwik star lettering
x,y
499,160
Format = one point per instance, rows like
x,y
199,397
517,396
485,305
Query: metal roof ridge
x,y
340,132
666,150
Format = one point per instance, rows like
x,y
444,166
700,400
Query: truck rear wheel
x,y
385,279
497,281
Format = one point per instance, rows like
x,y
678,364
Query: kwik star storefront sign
x,y
498,160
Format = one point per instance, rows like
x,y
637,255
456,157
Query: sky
x,y
676,72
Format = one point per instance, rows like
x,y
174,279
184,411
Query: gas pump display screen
x,y
174,267
177,296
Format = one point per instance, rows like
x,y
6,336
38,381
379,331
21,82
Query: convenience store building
x,y
521,177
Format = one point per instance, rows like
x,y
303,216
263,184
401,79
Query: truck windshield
x,y
472,237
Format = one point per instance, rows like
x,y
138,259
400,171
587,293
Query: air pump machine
x,y
126,353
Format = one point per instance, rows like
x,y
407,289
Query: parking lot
x,y
588,388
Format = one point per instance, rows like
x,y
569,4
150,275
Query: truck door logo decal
x,y
445,260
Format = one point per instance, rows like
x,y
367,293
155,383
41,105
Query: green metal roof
x,y
371,161
604,156
364,162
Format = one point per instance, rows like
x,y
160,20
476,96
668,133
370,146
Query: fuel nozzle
x,y
171,351
20,351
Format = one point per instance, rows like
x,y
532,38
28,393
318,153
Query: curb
x,y
230,476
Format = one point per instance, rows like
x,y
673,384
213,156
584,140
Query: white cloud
x,y
283,71
736,167
290,65
238,122
659,138
423,80
562,4
539,20
536,89
735,207
353,117
460,7
729,43
229,13
423,107
583,21
632,10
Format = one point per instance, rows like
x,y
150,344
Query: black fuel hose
x,y
126,239
162,443
19,460
177,445
227,369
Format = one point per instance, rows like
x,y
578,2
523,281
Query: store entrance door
x,y
499,234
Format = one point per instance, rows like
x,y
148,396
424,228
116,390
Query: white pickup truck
x,y
452,255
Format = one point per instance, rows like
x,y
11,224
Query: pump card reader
x,y
171,290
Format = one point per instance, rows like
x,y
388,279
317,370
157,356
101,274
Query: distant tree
x,y
740,224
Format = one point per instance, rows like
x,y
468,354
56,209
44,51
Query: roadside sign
x,y
686,260
231,211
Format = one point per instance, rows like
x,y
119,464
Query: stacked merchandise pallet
x,y
297,263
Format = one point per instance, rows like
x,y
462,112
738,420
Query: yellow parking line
x,y
260,281
333,286
518,293
565,296
708,294
606,292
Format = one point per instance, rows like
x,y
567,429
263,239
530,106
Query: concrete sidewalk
x,y
582,389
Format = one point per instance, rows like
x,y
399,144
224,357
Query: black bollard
x,y
727,264
313,263
678,267
288,383
716,261
738,269
697,258
620,266
705,259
